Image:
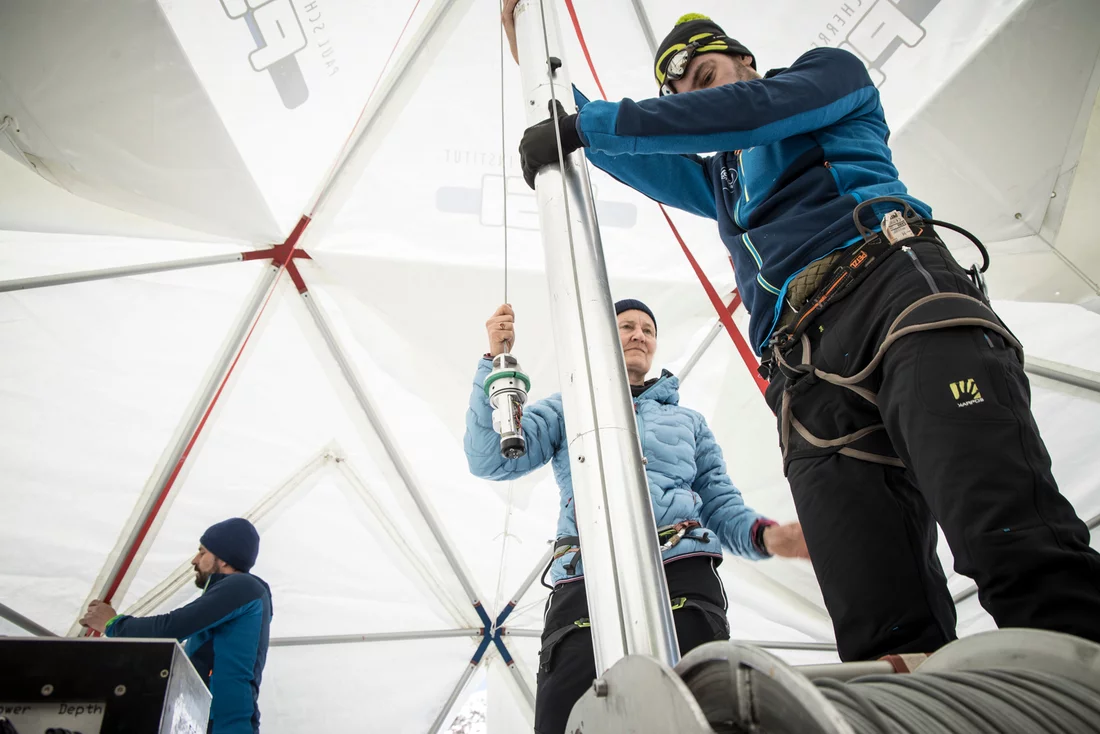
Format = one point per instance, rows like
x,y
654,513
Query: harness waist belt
x,y
668,536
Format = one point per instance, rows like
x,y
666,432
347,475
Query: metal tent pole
x,y
527,583
780,645
392,453
121,561
693,360
41,281
647,27
383,106
373,637
22,622
416,566
765,644
1063,373
462,681
627,592
300,481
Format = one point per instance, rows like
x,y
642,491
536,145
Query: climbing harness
x,y
668,536
714,614
932,312
671,535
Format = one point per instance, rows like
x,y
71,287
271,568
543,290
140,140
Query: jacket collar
x,y
214,578
665,390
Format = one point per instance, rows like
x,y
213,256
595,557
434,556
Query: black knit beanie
x,y
688,27
632,304
235,541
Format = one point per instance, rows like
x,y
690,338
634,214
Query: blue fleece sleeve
x,y
681,181
824,86
218,603
724,510
543,429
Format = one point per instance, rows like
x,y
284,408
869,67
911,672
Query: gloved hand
x,y
539,146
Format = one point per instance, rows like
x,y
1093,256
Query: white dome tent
x,y
326,177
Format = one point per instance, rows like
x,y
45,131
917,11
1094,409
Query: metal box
x,y
100,686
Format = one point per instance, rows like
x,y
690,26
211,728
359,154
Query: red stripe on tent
x,y
584,46
259,254
739,341
296,277
725,316
131,553
282,254
734,303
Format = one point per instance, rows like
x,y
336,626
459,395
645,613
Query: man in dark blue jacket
x,y
900,395
226,628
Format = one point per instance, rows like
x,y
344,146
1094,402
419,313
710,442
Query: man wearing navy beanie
x,y
226,629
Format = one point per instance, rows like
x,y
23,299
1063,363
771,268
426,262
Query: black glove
x,y
539,146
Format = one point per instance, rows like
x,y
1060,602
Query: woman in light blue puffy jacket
x,y
696,507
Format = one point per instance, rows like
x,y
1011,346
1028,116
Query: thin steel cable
x,y
934,690
1077,700
987,701
503,165
855,701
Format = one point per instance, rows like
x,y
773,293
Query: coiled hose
x,y
982,702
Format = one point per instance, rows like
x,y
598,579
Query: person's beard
x,y
201,577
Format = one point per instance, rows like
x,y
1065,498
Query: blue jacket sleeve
x,y
681,181
824,86
543,429
724,510
218,603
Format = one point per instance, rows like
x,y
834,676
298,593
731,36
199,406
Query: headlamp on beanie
x,y
693,34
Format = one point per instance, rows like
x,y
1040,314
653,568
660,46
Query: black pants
x,y
955,406
567,666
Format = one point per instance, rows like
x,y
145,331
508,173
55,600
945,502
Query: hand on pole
x,y
786,541
509,23
539,145
98,615
501,330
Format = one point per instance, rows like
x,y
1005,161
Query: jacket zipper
x,y
744,191
927,277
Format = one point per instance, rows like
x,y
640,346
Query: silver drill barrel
x,y
507,388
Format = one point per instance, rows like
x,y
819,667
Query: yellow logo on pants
x,y
967,391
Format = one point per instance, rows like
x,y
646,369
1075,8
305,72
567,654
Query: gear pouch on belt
x,y
714,615
546,654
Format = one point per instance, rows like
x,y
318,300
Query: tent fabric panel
x,y
94,380
147,140
330,687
